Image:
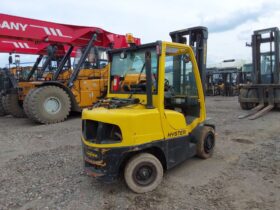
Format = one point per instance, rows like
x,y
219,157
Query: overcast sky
x,y
230,22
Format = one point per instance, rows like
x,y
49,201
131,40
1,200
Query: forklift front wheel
x,y
205,143
143,173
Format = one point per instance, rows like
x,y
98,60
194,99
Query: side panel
x,y
106,163
178,150
91,90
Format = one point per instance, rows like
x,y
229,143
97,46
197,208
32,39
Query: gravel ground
x,y
41,168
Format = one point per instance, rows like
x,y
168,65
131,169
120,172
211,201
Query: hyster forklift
x,y
264,93
154,115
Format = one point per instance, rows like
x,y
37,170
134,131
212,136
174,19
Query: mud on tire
x,y
48,104
205,142
2,109
4,105
12,105
26,102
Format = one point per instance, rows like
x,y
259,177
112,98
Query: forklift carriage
x,y
264,93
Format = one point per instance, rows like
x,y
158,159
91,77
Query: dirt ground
x,y
41,168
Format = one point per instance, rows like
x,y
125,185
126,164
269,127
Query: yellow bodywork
x,y
87,88
140,125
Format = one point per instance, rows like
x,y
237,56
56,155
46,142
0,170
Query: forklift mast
x,y
266,72
198,41
264,93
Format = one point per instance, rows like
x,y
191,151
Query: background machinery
x,y
154,115
15,71
246,73
224,78
68,90
264,93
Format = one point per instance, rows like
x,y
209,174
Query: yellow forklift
x,y
154,116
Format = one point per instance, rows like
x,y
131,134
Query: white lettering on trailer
x,y
23,27
5,24
13,26
20,26
52,31
19,44
26,45
15,44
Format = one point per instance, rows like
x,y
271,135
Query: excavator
x,y
51,101
263,93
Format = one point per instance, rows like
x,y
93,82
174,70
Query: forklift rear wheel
x,y
143,173
206,143
13,105
48,104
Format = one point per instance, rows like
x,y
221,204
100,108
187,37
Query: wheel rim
x,y
209,143
52,105
144,174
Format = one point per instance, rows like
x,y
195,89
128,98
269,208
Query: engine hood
x,y
138,124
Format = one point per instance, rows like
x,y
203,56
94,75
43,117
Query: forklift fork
x,y
261,109
266,109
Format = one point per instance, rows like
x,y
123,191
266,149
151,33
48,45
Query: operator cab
x,y
128,72
180,85
180,93
96,59
267,67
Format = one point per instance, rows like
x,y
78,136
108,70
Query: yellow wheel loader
x,y
153,122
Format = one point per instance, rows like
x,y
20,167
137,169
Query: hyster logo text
x,y
177,133
13,26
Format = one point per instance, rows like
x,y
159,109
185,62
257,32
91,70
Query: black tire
x,y
4,104
26,102
252,93
247,93
2,110
13,106
38,110
205,143
243,94
243,105
138,167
